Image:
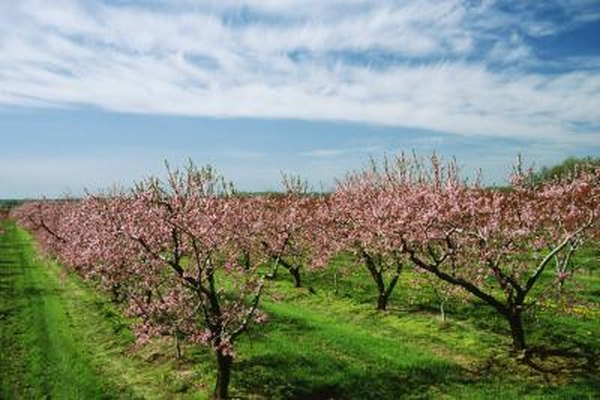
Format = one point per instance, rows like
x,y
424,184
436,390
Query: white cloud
x,y
292,59
330,153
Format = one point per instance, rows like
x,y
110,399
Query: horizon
x,y
100,93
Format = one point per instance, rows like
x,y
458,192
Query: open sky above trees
x,y
93,93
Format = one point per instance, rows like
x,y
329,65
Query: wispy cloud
x,y
327,153
453,66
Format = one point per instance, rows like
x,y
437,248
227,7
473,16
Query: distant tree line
x,y
571,166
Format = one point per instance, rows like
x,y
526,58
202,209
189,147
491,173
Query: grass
x,y
315,345
59,339
332,357
40,356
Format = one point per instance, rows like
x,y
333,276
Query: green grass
x,y
319,343
59,339
39,355
311,354
315,345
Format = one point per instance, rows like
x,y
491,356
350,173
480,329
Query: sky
x,y
100,92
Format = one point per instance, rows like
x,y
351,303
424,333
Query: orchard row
x,y
190,257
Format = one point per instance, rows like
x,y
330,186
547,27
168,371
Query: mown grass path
x,y
40,356
57,340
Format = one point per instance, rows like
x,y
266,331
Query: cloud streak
x,y
456,67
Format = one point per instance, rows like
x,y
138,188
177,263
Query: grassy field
x,y
62,339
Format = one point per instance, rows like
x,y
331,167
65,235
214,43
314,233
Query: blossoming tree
x,y
494,244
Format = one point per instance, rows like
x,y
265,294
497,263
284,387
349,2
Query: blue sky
x,y
97,92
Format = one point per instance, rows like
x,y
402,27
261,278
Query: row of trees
x,y
190,258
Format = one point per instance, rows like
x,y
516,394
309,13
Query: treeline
x,y
190,257
7,204
569,167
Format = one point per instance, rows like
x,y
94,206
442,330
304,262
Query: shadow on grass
x,y
303,356
580,361
294,376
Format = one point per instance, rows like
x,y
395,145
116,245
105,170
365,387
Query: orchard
x,y
191,259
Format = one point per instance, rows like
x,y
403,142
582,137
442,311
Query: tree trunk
x,y
223,375
517,332
377,275
247,261
178,346
295,271
382,301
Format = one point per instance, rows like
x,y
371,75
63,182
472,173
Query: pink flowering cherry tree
x,y
292,223
495,244
374,211
45,219
361,210
195,227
